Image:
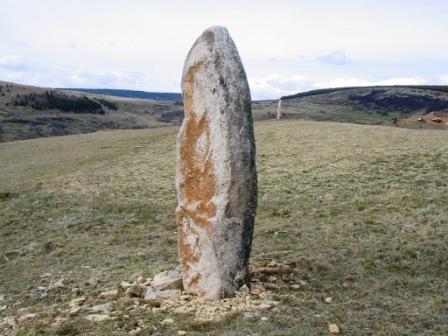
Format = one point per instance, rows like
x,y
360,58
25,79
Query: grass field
x,y
361,209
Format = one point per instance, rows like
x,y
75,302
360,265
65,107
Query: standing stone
x,y
216,178
279,110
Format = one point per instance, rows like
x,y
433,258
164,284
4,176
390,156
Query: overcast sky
x,y
286,46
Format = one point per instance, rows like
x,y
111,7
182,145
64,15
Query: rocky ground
x,y
161,296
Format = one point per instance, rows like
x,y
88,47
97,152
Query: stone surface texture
x,y
216,178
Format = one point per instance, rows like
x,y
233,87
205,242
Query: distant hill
x,y
378,105
28,112
133,94
437,88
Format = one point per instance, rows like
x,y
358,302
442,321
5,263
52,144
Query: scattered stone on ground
x,y
109,295
77,301
25,317
92,282
334,329
250,301
125,285
7,323
135,331
328,299
167,321
136,290
181,333
101,308
254,302
167,280
98,317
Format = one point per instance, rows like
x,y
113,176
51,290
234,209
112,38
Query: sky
x,y
286,46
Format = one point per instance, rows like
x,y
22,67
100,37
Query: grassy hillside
x,y
364,105
361,209
436,88
28,112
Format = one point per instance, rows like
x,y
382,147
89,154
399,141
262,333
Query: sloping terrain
x,y
360,209
366,105
30,112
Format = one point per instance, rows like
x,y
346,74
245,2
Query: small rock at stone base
x,y
136,291
334,329
110,295
328,299
264,306
98,317
257,290
264,319
248,315
167,280
2,308
150,294
134,331
167,321
168,294
181,333
125,284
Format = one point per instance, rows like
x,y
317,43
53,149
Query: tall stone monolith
x,y
216,178
279,110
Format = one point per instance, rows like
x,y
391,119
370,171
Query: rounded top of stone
x,y
214,46
214,35
216,29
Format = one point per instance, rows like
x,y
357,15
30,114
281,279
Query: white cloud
x,y
114,79
443,80
353,81
275,86
403,81
16,63
335,58
343,82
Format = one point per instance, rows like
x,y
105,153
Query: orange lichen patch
x,y
185,250
193,284
198,183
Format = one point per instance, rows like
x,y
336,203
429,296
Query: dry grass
x,y
361,209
